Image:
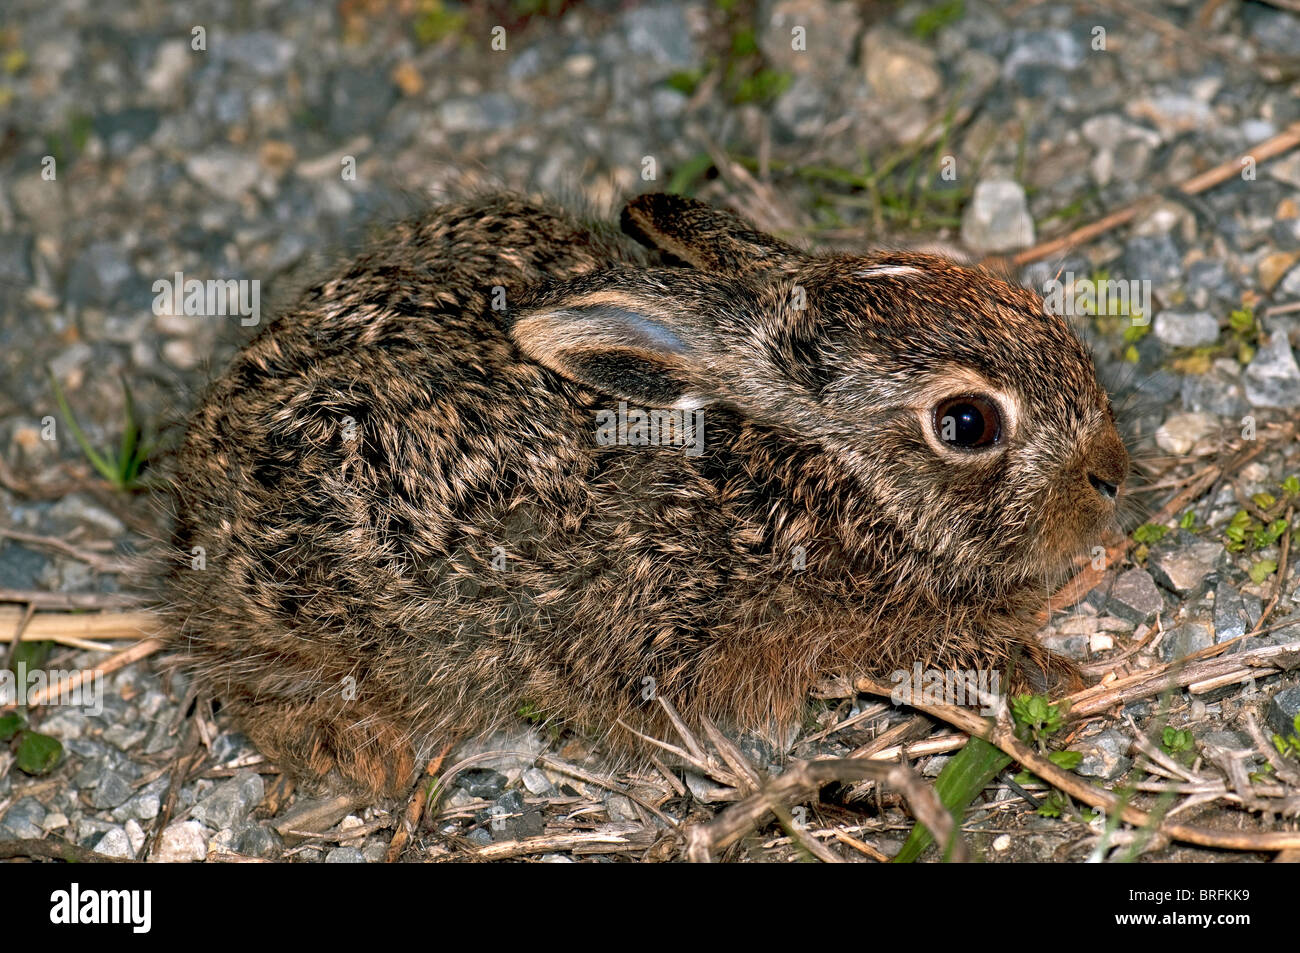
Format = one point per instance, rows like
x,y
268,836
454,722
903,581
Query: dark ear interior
x,y
620,343
708,238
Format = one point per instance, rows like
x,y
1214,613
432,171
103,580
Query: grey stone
x,y
1104,755
1071,646
181,842
997,218
226,172
1186,328
230,745
20,566
1210,281
23,820
358,99
1282,710
90,830
661,33
115,843
125,129
99,274
1153,258
1218,391
535,781
478,113
256,840
1290,284
75,511
897,67
1228,740
800,111
1230,618
1272,378
15,259
1276,30
125,736
142,807
1184,563
259,53
231,801
1185,639
345,855
111,790
1056,48
483,783
830,27
1134,596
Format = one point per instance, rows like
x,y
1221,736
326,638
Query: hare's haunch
x,y
504,459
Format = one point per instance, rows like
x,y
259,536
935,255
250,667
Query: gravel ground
x,y
253,140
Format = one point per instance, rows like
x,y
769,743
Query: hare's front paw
x,y
372,756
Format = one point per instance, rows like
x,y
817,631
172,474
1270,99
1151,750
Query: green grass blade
x,y
128,462
967,774
107,470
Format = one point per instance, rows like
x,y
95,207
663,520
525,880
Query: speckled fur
x,y
350,612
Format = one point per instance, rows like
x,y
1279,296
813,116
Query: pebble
x,y
111,791
997,218
115,843
1272,378
23,820
1186,328
1185,639
1282,710
345,855
231,801
1104,755
1134,596
1180,433
225,172
1184,562
181,842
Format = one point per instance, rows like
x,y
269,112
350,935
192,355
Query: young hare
x,y
426,495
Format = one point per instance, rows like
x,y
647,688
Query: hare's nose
x,y
1107,464
1104,487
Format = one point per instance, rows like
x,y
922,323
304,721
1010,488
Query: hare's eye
x,y
968,422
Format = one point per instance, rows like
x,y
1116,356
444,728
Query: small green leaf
x,y
1053,805
1291,485
1262,570
1189,520
1242,320
37,753
9,725
1069,760
1264,500
1149,533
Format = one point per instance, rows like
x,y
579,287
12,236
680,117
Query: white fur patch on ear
x,y
895,271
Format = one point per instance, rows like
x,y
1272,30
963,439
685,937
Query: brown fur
x,y
350,613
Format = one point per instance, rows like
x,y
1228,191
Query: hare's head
x,y
938,410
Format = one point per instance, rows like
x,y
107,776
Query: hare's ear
x,y
700,235
635,337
